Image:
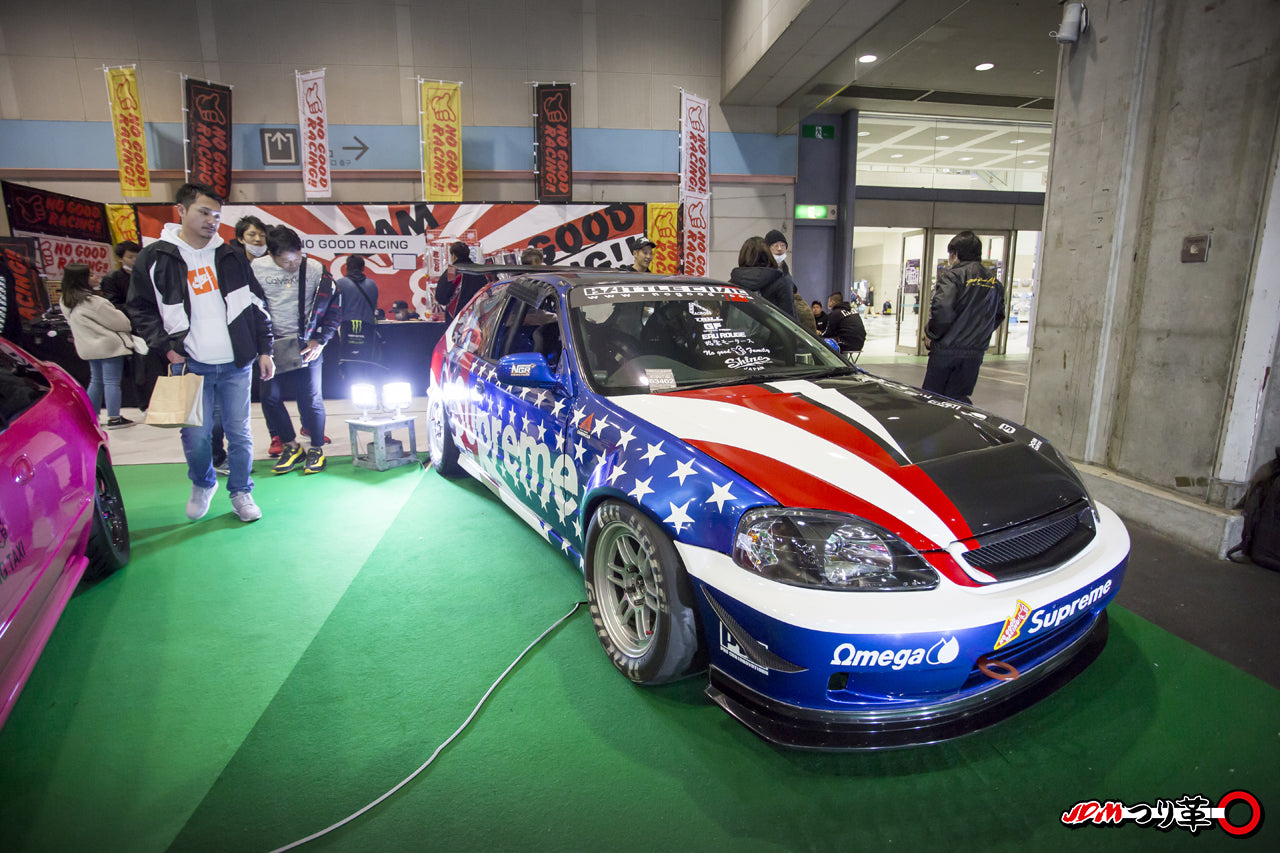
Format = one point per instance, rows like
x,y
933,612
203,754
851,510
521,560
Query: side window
x,y
524,328
475,322
21,387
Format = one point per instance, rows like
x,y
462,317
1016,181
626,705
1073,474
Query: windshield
x,y
667,337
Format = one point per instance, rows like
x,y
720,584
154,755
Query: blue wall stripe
x,y
89,145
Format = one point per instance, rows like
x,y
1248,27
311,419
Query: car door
x,y
541,454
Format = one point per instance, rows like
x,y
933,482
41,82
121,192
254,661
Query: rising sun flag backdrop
x,y
131,140
441,140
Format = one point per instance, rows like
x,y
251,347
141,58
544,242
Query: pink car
x,y
61,514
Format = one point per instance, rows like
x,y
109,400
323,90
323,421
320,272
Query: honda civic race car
x,y
857,563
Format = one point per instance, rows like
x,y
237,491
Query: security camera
x,y
1075,20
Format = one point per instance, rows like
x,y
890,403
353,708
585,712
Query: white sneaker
x,y
245,508
200,500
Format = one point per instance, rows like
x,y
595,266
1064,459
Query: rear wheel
x,y
640,597
108,548
444,453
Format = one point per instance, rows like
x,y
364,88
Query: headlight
x,y
828,550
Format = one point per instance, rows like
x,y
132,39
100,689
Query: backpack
x,y
1260,541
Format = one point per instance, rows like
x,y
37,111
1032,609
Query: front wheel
x,y
640,597
444,453
108,548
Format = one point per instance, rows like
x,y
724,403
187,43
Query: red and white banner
x,y
696,234
57,252
695,145
392,237
313,126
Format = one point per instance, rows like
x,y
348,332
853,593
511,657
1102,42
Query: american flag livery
x,y
959,486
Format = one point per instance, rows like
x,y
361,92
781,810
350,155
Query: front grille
x,y
1036,546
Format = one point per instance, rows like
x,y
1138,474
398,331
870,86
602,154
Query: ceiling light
x,y
1017,141
864,133
965,159
895,156
1028,162
943,137
868,57
984,66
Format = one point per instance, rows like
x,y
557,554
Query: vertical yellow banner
x,y
123,224
663,228
441,141
131,141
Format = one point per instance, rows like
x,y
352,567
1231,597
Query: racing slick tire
x,y
444,453
108,548
640,597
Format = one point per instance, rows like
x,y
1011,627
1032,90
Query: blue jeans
x,y
305,382
104,384
226,386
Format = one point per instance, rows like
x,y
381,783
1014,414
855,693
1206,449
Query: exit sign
x,y
816,211
818,131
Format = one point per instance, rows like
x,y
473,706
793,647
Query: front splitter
x,y
804,728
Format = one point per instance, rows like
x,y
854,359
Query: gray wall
x,y
1164,127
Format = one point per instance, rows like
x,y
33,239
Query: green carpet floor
x,y
237,687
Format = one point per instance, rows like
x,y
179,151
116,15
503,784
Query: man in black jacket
x,y
455,289
196,301
844,326
967,306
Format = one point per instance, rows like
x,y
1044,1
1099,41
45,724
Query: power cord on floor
x,y
346,820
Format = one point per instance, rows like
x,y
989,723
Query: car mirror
x,y
527,369
831,342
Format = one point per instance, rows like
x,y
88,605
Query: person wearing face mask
x,y
778,248
251,237
305,315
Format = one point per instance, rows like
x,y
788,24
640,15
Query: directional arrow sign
x,y
361,147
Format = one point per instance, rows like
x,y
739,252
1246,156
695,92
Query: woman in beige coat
x,y
101,334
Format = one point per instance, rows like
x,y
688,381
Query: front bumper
x,y
840,670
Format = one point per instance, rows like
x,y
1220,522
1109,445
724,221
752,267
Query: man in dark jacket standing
x,y
455,289
967,306
195,300
844,326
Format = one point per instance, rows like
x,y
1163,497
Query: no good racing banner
x,y
441,114
552,106
208,108
313,123
131,142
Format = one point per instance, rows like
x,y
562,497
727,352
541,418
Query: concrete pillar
x,y
826,173
1164,129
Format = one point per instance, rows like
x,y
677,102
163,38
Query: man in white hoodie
x,y
195,300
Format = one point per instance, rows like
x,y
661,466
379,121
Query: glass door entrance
x,y
907,306
924,254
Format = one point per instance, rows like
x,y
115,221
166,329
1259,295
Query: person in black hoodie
x,y
844,326
455,289
758,272
966,307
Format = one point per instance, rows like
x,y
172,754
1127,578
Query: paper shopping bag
x,y
178,400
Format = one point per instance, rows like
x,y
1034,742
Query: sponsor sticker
x,y
521,369
942,652
730,647
661,379
1059,612
1013,625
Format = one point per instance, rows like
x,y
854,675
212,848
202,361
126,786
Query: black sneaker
x,y
315,461
117,423
291,456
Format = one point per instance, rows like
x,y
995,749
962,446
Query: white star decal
x,y
618,471
600,425
542,431
577,528
641,489
578,451
577,414
683,469
544,495
542,398
564,545
654,451
625,437
555,410
678,516
720,494
525,428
